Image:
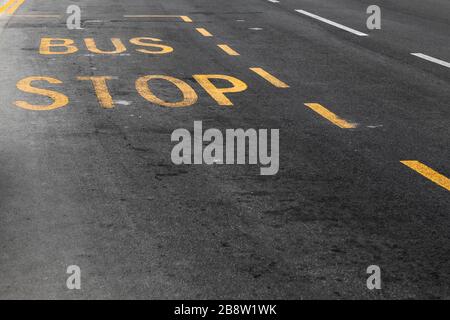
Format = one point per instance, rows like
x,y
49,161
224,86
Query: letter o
x,y
189,95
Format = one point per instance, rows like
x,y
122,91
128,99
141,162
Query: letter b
x,y
48,43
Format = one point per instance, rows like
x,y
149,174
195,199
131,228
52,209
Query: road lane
x,y
332,23
412,26
431,59
429,173
95,187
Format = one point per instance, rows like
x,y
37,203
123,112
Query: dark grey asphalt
x,y
92,187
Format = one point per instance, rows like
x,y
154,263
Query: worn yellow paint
x,y
428,173
37,16
330,116
228,49
184,18
6,6
267,76
48,43
119,47
204,32
139,42
101,90
16,6
218,94
189,95
25,85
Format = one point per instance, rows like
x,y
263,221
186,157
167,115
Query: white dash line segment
x,y
431,59
335,24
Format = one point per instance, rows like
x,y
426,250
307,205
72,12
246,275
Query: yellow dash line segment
x,y
184,18
270,78
428,173
16,6
330,116
228,50
204,32
6,6
37,16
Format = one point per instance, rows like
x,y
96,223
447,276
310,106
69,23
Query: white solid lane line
x,y
337,25
274,1
431,59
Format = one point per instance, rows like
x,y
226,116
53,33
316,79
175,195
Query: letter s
x,y
25,85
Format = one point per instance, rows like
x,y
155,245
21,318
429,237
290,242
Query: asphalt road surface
x,y
86,176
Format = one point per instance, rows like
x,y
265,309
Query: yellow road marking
x,y
330,116
16,6
163,49
189,95
48,43
101,90
204,32
228,50
184,18
6,6
428,173
267,76
119,47
216,93
37,16
26,85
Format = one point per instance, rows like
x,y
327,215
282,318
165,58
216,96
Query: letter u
x,y
118,45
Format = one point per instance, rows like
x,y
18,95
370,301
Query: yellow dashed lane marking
x,y
330,116
37,16
184,18
204,32
6,6
428,173
228,50
267,76
11,6
16,6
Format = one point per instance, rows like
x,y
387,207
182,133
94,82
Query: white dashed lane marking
x,y
431,59
335,24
